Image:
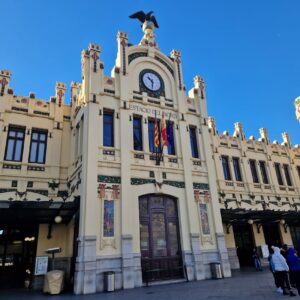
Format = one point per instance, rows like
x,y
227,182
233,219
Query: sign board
x,y
265,251
41,265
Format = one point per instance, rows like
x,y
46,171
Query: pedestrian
x,y
284,253
281,272
272,269
294,265
256,259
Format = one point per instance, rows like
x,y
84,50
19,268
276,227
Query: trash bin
x,y
54,282
216,271
109,281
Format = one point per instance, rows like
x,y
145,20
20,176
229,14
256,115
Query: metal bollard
x,y
109,281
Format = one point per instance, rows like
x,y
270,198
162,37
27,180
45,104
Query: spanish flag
x,y
164,130
156,134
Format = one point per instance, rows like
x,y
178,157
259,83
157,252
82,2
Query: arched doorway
x,y
159,238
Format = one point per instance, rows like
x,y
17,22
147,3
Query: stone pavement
x,y
243,285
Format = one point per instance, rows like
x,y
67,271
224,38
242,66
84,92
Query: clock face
x,y
151,81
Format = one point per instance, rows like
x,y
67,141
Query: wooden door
x,y
159,238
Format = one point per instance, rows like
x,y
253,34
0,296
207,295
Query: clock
x,y
151,81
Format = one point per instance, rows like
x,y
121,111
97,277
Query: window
x,y
193,140
287,175
137,134
151,129
263,171
237,169
38,146
278,173
298,170
108,129
226,170
170,134
253,170
15,144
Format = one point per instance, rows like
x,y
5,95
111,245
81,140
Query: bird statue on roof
x,y
149,23
142,17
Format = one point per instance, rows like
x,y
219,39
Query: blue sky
x,y
247,51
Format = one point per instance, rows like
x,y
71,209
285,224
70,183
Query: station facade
x,y
98,178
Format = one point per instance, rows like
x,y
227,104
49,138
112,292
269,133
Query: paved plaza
x,y
243,285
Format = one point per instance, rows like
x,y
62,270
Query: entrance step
x,y
162,282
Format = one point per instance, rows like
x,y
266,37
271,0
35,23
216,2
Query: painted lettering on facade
x,y
152,111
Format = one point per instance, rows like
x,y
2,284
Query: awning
x,y
37,212
240,215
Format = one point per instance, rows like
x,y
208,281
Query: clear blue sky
x,y
247,51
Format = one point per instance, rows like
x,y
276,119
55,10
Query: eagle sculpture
x,y
142,17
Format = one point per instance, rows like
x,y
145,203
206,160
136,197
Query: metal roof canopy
x,y
36,212
239,215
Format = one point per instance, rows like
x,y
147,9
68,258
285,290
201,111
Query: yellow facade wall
x,y
62,236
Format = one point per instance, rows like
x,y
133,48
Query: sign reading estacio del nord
x,y
153,112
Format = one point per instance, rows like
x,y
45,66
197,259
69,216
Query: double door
x,y
159,238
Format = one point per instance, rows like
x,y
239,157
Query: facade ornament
x,y
297,107
149,24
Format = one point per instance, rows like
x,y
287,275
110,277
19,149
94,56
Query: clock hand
x,y
150,79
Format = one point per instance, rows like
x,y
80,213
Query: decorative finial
x,y
297,107
149,23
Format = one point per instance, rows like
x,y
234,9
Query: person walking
x,y
281,271
294,265
272,269
256,259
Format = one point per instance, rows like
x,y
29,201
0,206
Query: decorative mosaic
x,y
13,167
135,55
140,181
7,190
204,219
178,184
108,219
200,186
165,64
109,179
41,192
31,168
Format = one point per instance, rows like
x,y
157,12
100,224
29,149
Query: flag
x,y
164,130
156,134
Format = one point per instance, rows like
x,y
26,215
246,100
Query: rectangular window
x,y
237,169
15,143
151,129
226,170
287,175
38,146
263,171
108,129
278,173
193,140
151,135
298,170
170,134
137,133
253,170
